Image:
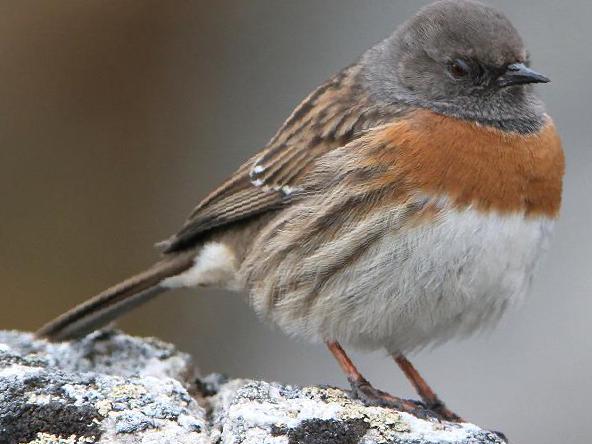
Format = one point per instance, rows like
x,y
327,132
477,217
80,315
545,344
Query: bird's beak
x,y
520,74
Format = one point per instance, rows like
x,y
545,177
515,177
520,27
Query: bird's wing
x,y
352,176
332,116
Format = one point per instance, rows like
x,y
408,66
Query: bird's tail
x,y
114,302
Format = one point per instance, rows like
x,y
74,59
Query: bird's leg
x,y
363,390
426,393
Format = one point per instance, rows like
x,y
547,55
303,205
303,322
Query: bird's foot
x,y
370,396
439,408
428,396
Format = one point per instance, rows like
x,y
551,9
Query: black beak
x,y
520,74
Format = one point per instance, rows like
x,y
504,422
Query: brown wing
x,y
332,116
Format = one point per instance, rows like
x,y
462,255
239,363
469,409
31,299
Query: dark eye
x,y
459,69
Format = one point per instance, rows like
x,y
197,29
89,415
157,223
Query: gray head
x,y
459,58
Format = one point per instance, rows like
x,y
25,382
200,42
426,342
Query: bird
x,y
406,201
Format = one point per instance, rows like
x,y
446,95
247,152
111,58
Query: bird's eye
x,y
459,69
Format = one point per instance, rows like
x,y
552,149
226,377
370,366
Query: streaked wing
x,y
332,116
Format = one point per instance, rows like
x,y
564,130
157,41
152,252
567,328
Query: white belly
x,y
411,286
429,283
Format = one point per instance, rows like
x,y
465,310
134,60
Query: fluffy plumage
x,y
405,201
397,242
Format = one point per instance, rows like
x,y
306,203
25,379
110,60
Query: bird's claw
x,y
371,396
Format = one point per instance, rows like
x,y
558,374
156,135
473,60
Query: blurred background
x,y
117,116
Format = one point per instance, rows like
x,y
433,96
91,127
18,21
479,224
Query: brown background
x,y
117,116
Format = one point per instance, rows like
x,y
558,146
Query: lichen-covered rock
x,y
113,388
105,388
254,412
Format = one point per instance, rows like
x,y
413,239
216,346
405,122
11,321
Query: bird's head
x,y
461,58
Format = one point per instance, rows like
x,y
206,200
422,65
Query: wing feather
x,y
332,116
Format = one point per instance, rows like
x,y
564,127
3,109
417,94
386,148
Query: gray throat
x,y
524,115
519,111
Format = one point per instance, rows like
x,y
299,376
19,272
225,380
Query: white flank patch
x,y
287,189
214,264
258,169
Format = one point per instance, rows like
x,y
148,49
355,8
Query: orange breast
x,y
473,165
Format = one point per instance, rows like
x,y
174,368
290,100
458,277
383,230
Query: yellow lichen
x,y
127,391
385,424
103,406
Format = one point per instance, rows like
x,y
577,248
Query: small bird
x,y
406,201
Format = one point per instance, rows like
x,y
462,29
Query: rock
x,y
112,388
107,387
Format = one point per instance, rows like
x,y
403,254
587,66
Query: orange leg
x,y
426,393
364,391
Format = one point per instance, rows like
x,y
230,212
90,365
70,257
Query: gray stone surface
x,y
112,388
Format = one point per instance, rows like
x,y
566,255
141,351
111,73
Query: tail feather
x,y
114,302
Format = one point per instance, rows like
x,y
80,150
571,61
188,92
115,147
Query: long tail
x,y
114,302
